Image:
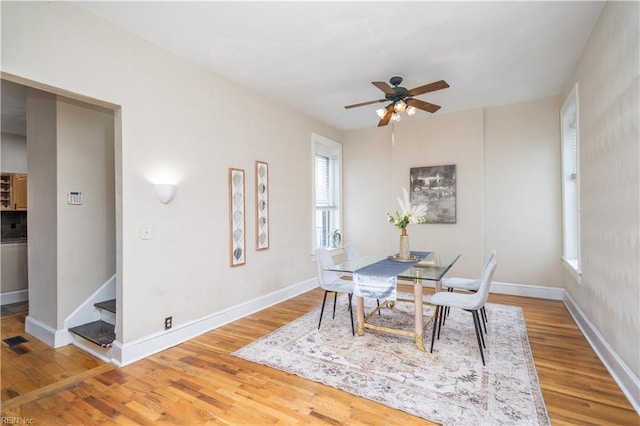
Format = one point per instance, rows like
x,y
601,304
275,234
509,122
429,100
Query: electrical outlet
x,y
168,323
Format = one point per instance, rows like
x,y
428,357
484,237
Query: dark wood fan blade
x,y
425,106
384,87
437,85
364,103
387,117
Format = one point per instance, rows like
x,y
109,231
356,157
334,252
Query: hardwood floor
x,y
199,382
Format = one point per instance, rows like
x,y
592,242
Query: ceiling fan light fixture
x,y
399,106
400,100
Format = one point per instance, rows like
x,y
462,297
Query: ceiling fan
x,y
402,99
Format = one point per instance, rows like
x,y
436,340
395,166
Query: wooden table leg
x,y
360,315
417,302
438,286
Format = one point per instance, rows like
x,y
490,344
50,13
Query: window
x,y
327,161
571,184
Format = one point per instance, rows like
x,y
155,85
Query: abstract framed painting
x,y
435,186
262,205
237,217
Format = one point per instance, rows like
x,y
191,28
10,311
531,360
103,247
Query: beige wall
x,y
508,197
376,170
179,120
71,247
13,153
14,275
522,200
42,197
86,232
607,74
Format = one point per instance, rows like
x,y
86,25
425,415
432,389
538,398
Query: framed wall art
x,y
435,186
262,205
236,217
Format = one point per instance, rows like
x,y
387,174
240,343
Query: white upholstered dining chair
x,y
469,284
331,282
468,302
352,251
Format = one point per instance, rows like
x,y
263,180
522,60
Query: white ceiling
x,y
316,57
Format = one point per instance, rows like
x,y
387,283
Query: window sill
x,y
571,265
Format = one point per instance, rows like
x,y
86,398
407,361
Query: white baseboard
x,y
49,335
621,373
14,297
127,353
526,290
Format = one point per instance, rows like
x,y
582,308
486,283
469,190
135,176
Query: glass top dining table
x,y
432,267
425,267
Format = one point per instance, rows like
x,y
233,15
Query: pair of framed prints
x,y
238,246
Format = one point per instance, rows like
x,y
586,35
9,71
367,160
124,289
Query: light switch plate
x,y
145,233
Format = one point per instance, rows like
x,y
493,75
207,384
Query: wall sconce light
x,y
165,192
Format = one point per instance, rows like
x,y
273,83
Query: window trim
x,y
326,146
570,112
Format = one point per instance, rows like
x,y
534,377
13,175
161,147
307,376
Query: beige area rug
x,y
449,386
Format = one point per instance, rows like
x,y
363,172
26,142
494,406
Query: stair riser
x,y
105,354
107,316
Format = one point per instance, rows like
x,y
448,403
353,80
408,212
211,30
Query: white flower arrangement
x,y
410,214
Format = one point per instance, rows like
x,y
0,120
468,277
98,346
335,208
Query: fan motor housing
x,y
400,93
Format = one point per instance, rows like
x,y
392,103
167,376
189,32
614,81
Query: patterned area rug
x,y
449,386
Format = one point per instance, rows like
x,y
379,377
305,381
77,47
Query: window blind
x,y
573,142
325,175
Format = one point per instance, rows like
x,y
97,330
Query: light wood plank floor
x,y
199,382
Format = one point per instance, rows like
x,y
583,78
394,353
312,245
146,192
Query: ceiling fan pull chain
x,y
393,134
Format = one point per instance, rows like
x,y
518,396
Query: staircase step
x,y
107,305
99,332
